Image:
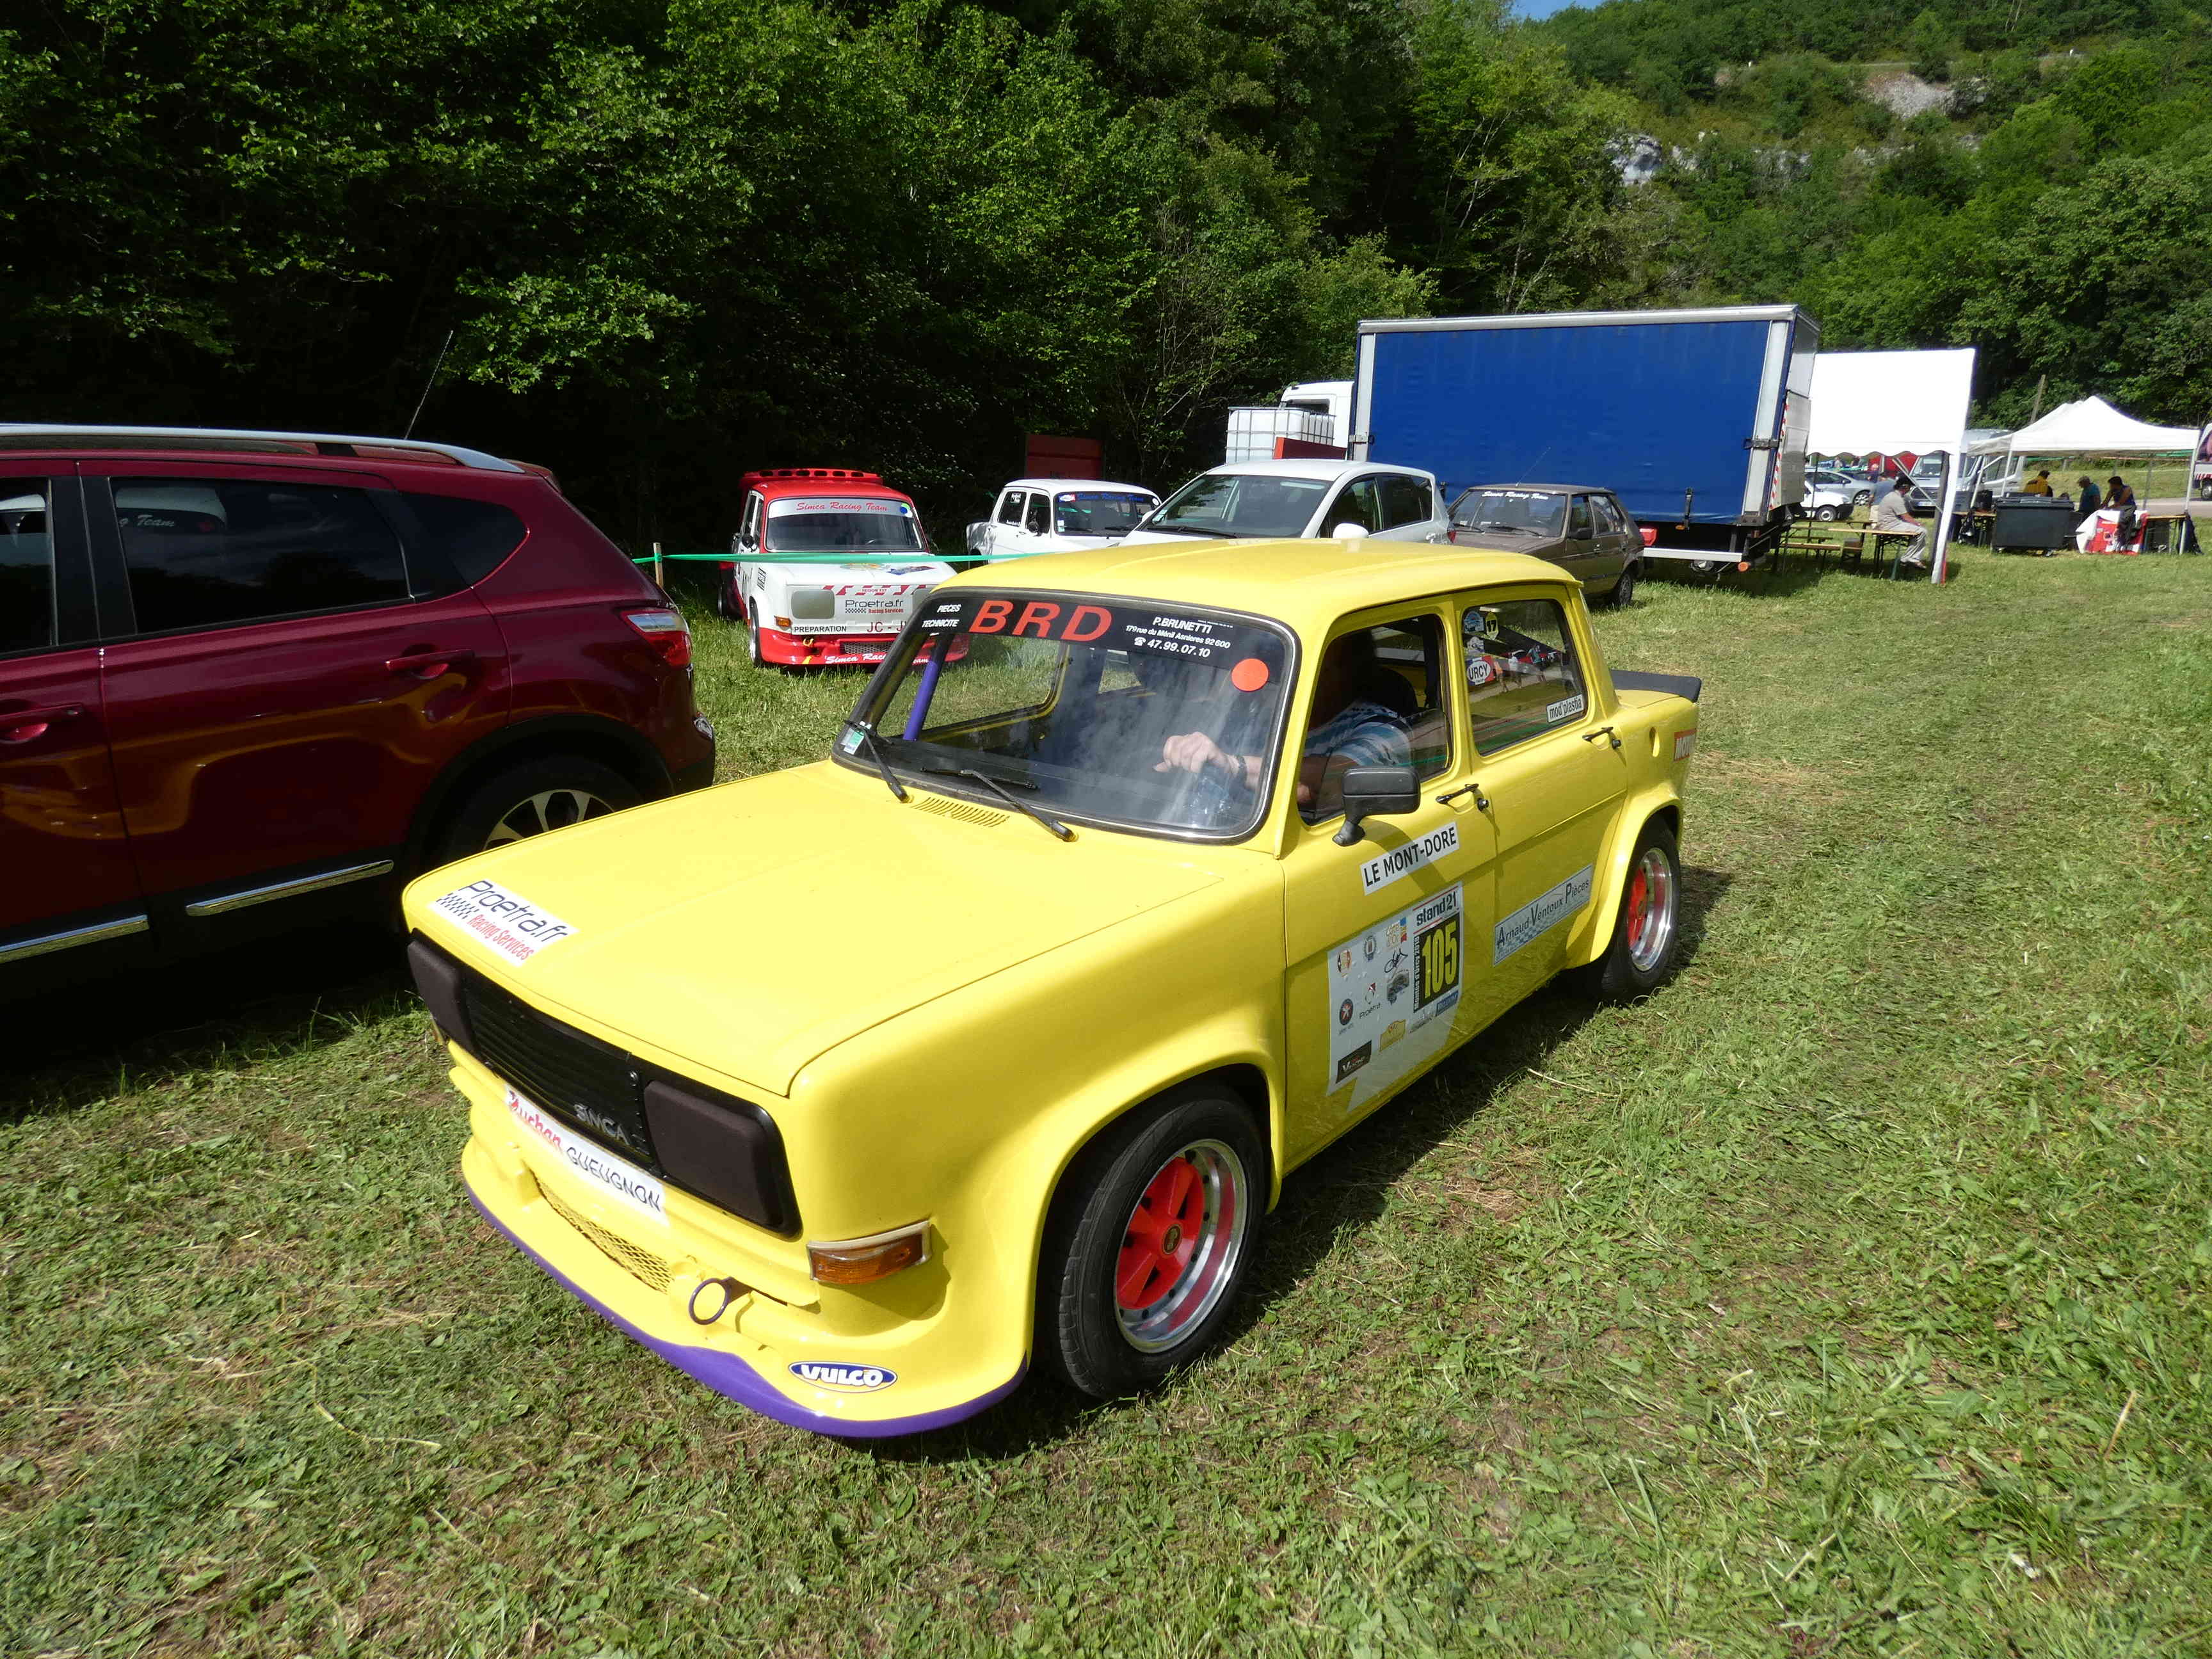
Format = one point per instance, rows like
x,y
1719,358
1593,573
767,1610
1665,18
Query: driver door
x,y
1379,935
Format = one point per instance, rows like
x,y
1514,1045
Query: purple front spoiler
x,y
730,1376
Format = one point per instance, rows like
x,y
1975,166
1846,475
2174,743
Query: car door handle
x,y
427,664
22,725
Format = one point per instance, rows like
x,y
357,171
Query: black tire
x,y
529,798
1624,588
1630,967
1861,497
727,604
1088,1336
753,652
1827,514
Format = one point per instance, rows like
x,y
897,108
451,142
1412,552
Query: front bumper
x,y
749,1352
848,649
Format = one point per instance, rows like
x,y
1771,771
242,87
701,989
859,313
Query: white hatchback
x,y
1309,499
1058,515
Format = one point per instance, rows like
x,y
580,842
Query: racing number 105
x,y
1439,960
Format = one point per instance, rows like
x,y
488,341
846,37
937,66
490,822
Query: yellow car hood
x,y
751,927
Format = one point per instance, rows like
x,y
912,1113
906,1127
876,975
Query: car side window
x,y
1405,500
1040,515
202,552
1380,700
1010,510
1360,503
477,535
1609,520
749,531
1579,519
1522,677
26,565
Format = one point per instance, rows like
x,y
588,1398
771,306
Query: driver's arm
x,y
1196,752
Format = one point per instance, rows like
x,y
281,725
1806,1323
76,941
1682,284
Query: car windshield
x,y
840,525
1070,704
1242,504
1528,512
1098,512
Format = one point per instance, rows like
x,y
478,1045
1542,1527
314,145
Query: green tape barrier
x,y
804,558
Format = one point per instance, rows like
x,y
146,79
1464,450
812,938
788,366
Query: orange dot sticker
x,y
1248,675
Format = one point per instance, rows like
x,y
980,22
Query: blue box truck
x,y
1695,419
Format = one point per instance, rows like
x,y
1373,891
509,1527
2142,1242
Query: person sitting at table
x,y
2038,485
2087,504
2118,495
1892,516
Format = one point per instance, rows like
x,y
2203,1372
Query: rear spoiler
x,y
1678,685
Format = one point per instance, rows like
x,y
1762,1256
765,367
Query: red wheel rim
x,y
1639,908
1162,1235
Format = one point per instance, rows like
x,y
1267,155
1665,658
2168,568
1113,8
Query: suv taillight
x,y
665,631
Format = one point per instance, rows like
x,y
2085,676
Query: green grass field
x,y
1850,1296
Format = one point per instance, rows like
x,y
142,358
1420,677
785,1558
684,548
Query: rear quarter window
x,y
478,536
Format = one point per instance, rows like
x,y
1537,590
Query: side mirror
x,y
1350,532
1375,791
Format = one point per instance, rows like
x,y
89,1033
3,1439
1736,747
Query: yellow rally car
x,y
1135,881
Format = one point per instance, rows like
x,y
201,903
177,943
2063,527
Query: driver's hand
x,y
1192,752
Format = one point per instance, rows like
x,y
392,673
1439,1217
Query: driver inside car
x,y
1351,727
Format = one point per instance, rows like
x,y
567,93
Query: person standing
x,y
2089,500
1892,516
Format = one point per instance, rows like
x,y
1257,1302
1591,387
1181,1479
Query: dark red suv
x,y
249,678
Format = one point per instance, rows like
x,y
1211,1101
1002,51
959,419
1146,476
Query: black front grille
x,y
715,1146
592,1084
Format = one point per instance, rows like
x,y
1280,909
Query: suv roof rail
x,y
14,435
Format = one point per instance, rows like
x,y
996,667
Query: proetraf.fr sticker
x,y
1392,988
506,921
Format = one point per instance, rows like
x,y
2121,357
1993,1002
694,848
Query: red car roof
x,y
777,482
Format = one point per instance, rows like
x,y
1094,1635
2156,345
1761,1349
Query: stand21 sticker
x,y
1392,988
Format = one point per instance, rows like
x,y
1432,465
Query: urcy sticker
x,y
506,921
1541,913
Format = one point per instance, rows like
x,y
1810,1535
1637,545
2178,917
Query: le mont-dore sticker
x,y
1386,867
1541,913
617,1178
1392,988
506,921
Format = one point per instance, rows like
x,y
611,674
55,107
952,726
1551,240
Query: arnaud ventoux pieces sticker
x,y
1392,988
506,921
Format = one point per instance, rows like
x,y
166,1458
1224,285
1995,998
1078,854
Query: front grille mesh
x,y
561,1069
641,1265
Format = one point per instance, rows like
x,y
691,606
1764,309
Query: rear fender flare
x,y
1591,939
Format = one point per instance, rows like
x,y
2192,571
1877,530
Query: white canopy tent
x,y
1895,402
2091,427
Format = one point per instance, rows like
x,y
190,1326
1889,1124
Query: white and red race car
x,y
802,604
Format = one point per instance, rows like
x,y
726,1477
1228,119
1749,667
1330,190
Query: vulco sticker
x,y
1386,867
1565,709
1541,913
617,1178
1685,742
845,1379
1393,988
509,923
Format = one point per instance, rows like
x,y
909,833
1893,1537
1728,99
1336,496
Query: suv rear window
x,y
477,535
205,551
26,566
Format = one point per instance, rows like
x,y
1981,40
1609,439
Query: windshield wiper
x,y
1014,800
870,742
963,771
1185,529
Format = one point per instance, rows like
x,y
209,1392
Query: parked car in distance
x,y
816,610
1057,516
1243,838
1578,527
250,679
1831,495
1269,500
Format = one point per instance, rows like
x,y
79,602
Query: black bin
x,y
2037,522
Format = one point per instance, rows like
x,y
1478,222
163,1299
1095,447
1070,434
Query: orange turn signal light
x,y
865,1260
